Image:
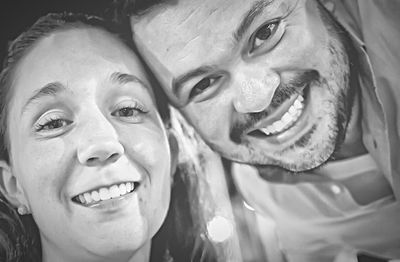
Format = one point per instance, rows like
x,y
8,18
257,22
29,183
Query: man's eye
x,y
202,85
264,33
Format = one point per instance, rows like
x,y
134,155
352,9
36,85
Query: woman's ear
x,y
10,187
174,148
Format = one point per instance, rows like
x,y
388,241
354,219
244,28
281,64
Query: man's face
x,y
263,81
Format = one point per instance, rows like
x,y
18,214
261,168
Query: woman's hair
x,y
178,239
184,231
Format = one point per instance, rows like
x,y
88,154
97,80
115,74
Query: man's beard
x,y
348,98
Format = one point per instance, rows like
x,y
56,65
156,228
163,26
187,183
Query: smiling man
x,y
287,86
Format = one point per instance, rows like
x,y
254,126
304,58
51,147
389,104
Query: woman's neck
x,y
52,253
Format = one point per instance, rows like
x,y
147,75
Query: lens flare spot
x,y
219,229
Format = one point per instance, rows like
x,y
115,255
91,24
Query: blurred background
x,y
17,15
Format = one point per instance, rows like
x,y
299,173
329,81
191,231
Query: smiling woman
x,y
86,159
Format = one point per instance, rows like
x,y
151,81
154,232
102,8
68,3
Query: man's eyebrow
x,y
178,82
256,10
50,89
122,78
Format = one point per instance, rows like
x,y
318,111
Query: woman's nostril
x,y
100,153
111,157
114,156
91,160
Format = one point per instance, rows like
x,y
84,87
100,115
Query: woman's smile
x,y
103,194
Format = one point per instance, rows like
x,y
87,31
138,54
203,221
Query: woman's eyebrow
x,y
123,78
50,89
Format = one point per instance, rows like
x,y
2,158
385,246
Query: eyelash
x,y
135,106
48,121
45,124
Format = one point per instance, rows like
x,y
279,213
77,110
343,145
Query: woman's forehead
x,y
71,54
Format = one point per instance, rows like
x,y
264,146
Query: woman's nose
x,y
101,152
99,144
254,90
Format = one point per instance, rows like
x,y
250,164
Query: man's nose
x,y
99,144
254,88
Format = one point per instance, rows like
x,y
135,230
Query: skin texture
x,y
232,76
93,127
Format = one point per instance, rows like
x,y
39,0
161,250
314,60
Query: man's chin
x,y
306,162
276,174
295,160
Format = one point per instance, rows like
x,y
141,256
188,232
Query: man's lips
x,y
282,119
104,193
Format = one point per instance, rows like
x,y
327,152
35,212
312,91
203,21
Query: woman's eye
x,y
130,112
52,124
202,85
264,33
126,112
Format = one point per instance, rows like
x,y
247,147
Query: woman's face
x,y
88,147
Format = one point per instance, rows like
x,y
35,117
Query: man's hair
x,y
126,8
121,10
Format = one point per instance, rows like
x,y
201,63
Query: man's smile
x,y
283,118
279,123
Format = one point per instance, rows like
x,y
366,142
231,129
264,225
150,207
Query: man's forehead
x,y
182,11
190,28
189,18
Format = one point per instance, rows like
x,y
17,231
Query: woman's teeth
x,y
287,120
105,193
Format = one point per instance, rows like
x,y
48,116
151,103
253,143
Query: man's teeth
x,y
287,119
105,193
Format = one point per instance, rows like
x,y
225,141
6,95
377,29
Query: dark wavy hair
x,y
179,238
122,9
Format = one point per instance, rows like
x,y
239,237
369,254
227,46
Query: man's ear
x,y
174,148
9,186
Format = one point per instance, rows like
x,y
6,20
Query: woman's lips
x,y
95,197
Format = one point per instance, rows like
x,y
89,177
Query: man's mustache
x,y
287,88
